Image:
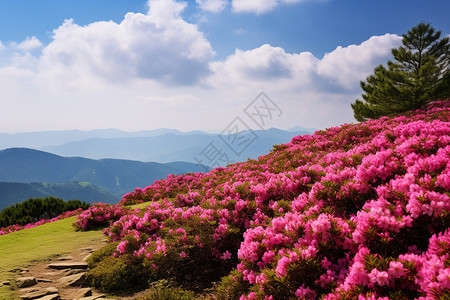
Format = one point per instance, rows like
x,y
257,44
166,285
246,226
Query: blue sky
x,y
81,64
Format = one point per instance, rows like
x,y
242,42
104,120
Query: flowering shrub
x,y
98,214
353,212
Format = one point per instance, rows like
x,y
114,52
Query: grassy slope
x,y
21,248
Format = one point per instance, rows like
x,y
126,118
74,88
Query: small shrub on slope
x,y
98,215
352,212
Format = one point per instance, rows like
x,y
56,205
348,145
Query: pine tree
x,y
419,74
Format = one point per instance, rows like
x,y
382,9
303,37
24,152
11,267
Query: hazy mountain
x,y
53,138
13,192
303,129
116,176
178,147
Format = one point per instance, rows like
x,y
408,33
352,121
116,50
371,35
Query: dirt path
x,y
59,278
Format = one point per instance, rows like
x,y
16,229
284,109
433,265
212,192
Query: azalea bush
x,y
359,211
98,215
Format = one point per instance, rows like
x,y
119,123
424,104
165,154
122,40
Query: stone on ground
x,y
72,280
35,293
81,293
24,282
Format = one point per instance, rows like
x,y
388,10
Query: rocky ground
x,y
60,278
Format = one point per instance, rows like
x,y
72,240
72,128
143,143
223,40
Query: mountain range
x,y
40,139
160,145
173,146
108,177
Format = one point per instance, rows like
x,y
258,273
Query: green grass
x,y
145,204
21,248
140,205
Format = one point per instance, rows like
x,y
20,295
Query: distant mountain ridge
x,y
172,146
160,145
53,138
23,165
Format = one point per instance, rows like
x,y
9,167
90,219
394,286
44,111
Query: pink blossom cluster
x,y
353,212
164,233
13,228
99,214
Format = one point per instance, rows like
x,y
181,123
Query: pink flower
x,y
396,269
281,269
305,292
261,279
380,277
357,274
122,247
226,255
444,278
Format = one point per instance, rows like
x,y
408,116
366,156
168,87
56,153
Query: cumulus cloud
x,y
347,65
158,45
28,44
213,6
22,54
264,64
165,11
258,6
341,69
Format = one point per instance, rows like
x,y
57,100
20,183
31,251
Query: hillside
x,y
22,165
354,212
172,146
13,192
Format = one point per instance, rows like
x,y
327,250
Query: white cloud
x,y
28,45
159,46
214,6
341,70
165,11
346,66
263,64
22,54
258,6
253,6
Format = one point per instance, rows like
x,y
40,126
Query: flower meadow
x,y
360,211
